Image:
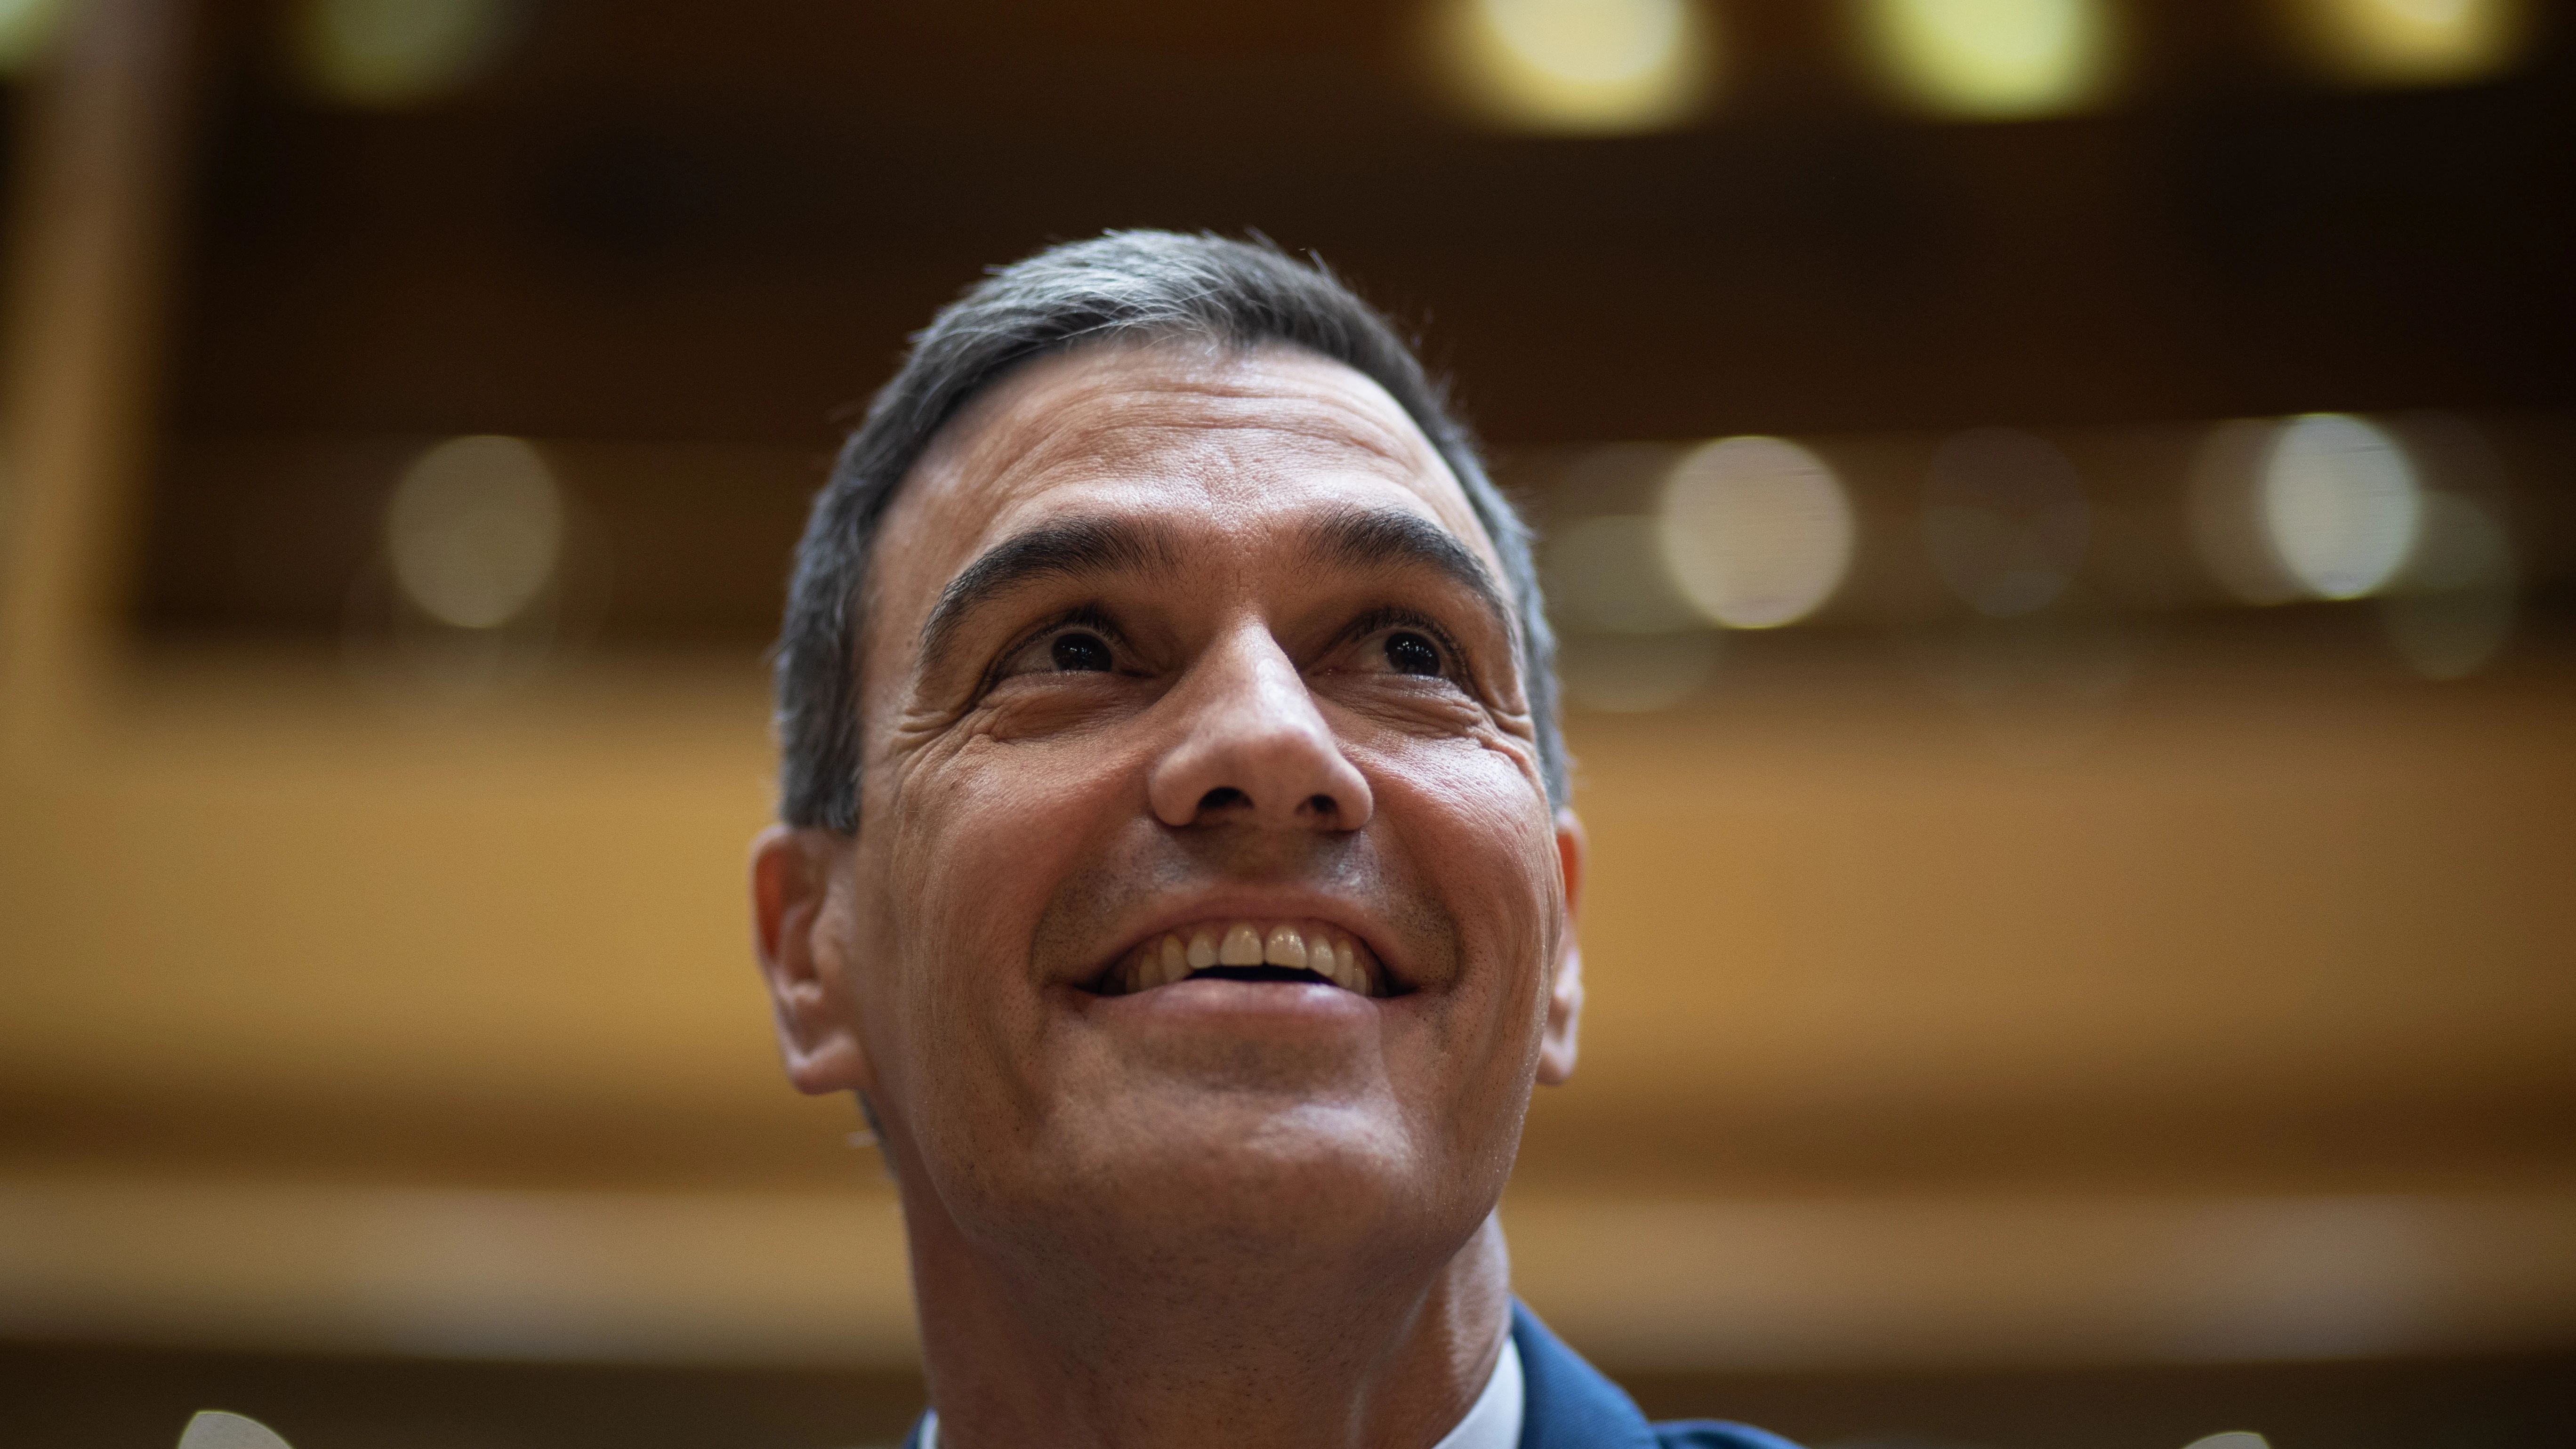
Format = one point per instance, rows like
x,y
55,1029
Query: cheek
x,y
980,837
1478,835
972,843
1474,808
1452,738
1475,838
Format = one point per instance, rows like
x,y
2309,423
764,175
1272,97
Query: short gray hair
x,y
1126,285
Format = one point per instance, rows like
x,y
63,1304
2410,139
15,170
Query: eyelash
x,y
1377,621
1087,618
1453,660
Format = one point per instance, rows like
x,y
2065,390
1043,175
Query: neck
x,y
1343,1350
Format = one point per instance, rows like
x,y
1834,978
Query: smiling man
x,y
1175,863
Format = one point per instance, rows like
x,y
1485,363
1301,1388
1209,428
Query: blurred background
x,y
2063,517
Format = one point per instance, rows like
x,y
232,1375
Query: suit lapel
x,y
1569,1404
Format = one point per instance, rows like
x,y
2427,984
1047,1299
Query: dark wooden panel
x,y
683,222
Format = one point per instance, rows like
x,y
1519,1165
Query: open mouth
x,y
1248,950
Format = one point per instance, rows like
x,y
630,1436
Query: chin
x,y
1240,1177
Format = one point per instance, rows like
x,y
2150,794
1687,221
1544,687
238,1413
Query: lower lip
x,y
1216,1002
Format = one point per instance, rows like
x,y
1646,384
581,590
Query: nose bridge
x,y
1250,672
1251,741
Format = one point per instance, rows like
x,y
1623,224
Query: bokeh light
x,y
2452,608
2411,42
2339,502
2226,513
1757,531
474,530
215,1429
1606,575
1992,59
396,52
1580,66
2005,521
28,29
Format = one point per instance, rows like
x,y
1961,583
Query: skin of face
x,y
1157,635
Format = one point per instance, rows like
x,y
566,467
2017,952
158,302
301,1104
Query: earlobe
x,y
1565,994
799,956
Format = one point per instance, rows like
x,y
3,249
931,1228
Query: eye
x,y
1410,653
1080,651
1079,641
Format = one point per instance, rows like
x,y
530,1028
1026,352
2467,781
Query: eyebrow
x,y
1083,548
1073,548
1366,538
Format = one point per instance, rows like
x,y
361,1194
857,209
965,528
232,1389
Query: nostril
x,y
1324,806
1223,797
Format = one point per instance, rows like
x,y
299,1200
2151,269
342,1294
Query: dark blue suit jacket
x,y
1571,1406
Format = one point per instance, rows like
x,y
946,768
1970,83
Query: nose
x,y
1252,745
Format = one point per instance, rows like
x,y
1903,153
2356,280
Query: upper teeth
x,y
1322,949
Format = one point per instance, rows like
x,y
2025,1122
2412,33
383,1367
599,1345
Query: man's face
x,y
1184,664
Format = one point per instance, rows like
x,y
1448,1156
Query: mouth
x,y
1293,952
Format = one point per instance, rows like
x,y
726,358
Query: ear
x,y
800,954
1565,999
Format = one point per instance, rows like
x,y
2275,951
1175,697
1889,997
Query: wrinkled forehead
x,y
1207,438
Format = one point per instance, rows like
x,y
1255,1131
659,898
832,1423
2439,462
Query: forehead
x,y
1209,440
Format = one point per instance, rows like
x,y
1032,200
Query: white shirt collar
x,y
1492,1422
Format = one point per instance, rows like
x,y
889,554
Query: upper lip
x,y
1254,905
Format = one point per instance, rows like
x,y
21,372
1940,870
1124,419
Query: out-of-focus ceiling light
x,y
474,529
2005,520
2411,42
215,1429
1992,59
396,52
1583,67
27,32
1757,531
2340,504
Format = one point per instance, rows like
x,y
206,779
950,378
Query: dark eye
x,y
1411,653
1080,651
